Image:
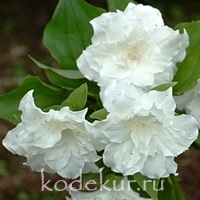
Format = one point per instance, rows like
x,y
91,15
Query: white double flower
x,y
56,140
148,138
133,45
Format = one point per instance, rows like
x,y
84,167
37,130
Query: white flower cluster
x,y
131,53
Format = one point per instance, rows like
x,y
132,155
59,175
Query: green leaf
x,y
99,114
44,95
63,82
77,99
150,186
189,69
68,79
69,31
172,189
112,179
92,178
70,74
165,86
114,5
177,192
166,194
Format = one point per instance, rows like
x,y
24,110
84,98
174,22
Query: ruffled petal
x,y
159,166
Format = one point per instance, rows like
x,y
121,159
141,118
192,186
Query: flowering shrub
x,y
110,108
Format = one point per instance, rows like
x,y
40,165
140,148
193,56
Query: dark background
x,y
21,29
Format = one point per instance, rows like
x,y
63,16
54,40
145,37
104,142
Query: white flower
x,y
120,98
56,140
190,101
134,45
122,191
148,140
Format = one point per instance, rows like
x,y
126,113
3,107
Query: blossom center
x,y
133,54
57,127
144,125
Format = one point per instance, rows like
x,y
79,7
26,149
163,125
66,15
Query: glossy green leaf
x,y
99,114
69,74
69,79
114,5
69,31
189,69
164,86
77,99
44,95
150,186
63,82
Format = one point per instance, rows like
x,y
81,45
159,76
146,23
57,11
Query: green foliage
x,y
44,95
99,114
113,5
34,195
112,179
69,79
68,74
172,189
189,69
89,178
164,86
69,32
71,84
77,99
150,186
162,189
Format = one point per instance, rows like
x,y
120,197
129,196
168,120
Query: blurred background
x,y
21,30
